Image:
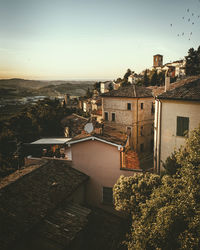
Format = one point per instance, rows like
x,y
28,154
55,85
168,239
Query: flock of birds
x,y
192,19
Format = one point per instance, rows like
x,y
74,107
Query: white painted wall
x,y
170,111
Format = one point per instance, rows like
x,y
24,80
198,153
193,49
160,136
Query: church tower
x,y
157,60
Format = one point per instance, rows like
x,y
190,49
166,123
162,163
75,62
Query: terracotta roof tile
x,y
109,134
188,91
159,90
132,91
24,201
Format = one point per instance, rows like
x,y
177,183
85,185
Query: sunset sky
x,y
93,39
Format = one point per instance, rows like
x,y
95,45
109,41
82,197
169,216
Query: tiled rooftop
x,y
75,122
132,91
109,134
189,91
159,90
25,199
57,230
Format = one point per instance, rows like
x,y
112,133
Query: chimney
x,y
167,80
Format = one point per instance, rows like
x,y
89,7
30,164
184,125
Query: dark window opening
x,y
106,116
107,195
152,145
152,108
128,131
142,147
142,105
141,131
129,106
182,126
113,117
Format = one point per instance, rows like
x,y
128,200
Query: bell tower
x,y
157,60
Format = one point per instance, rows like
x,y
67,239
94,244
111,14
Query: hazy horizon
x,y
93,39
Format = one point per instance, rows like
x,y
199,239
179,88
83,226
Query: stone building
x,y
130,109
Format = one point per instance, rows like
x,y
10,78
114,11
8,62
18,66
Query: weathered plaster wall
x,y
140,120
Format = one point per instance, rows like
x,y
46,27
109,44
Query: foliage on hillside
x,y
164,211
15,88
35,121
192,66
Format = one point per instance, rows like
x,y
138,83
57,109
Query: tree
x,y
192,66
88,93
127,74
161,78
33,122
171,165
110,86
145,79
164,211
154,78
97,86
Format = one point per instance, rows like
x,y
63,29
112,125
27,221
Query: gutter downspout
x,y
159,136
137,127
155,136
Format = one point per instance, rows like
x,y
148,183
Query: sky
x,y
93,39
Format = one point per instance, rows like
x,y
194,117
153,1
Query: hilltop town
x,y
70,153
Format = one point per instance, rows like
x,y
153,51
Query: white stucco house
x,y
177,111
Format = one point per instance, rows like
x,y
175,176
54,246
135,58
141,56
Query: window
x,y
142,105
152,108
128,131
151,144
142,147
107,195
141,131
113,117
129,106
106,116
182,125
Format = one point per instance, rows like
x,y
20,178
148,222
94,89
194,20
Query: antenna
x,y
88,128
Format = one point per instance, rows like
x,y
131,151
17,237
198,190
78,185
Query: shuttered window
x,y
129,106
113,117
106,116
107,195
182,125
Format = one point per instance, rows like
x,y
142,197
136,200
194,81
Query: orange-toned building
x,y
131,110
100,156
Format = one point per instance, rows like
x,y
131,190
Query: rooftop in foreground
x,y
190,91
28,196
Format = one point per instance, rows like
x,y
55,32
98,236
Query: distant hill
x,y
17,87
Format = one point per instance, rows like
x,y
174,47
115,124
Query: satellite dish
x,y
88,128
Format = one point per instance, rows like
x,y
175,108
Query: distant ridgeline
x,y
16,93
